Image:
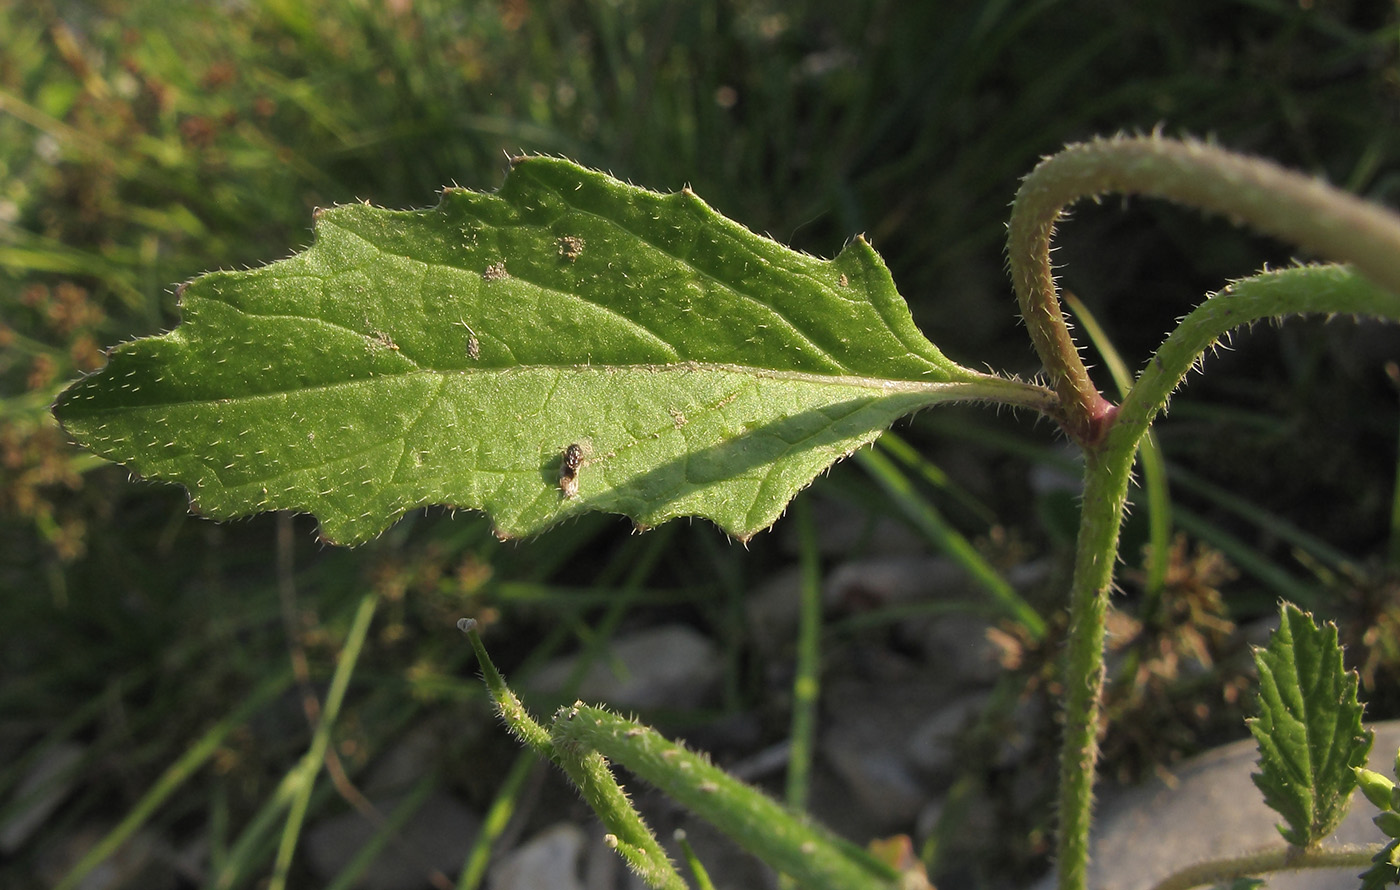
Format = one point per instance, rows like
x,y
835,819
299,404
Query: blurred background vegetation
x,y
144,142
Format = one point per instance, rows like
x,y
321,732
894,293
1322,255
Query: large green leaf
x,y
451,356
1308,729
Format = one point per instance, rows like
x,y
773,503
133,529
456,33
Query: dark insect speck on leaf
x,y
568,470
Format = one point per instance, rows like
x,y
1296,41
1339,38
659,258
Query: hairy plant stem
x,y
1300,290
1272,859
1247,190
1250,191
1106,475
628,834
781,837
1107,472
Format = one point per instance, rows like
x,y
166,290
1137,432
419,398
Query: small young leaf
x,y
452,356
1389,823
1385,871
1377,788
1308,729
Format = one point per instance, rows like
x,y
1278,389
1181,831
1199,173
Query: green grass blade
x,y
252,852
806,685
929,521
349,876
311,763
1393,551
180,772
1249,560
934,475
1271,523
497,818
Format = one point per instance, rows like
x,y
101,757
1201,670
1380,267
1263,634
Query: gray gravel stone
x,y
1209,808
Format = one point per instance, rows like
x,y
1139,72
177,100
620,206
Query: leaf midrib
x,y
403,440
889,386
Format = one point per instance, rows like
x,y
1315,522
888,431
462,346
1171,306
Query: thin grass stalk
x,y
180,772
255,844
935,476
349,877
311,763
806,686
1393,551
697,869
1250,561
497,818
1274,525
952,542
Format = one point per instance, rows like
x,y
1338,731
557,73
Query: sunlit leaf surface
x,y
451,356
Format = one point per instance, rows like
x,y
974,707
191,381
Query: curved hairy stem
x,y
780,837
1288,205
1296,291
1272,859
1247,190
1300,290
628,834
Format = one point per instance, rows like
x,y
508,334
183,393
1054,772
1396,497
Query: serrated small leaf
x,y
1385,871
450,356
1308,729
